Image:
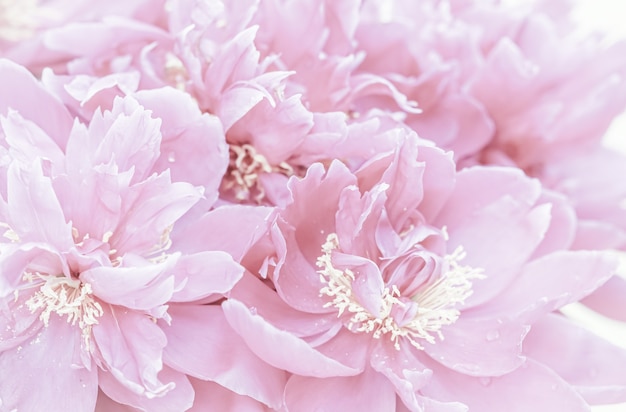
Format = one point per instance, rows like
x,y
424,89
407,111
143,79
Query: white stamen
x,y
65,297
246,165
9,233
436,301
175,71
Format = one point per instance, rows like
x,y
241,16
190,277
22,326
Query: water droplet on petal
x,y
493,335
171,157
253,310
485,381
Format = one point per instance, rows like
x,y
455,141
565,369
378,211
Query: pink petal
x,y
149,209
212,397
203,345
27,141
547,283
26,372
19,258
480,346
305,224
367,391
438,180
106,404
608,299
135,287
279,348
34,209
269,123
204,274
532,386
179,398
244,225
346,347
21,89
404,371
193,146
256,294
498,227
592,365
130,346
357,218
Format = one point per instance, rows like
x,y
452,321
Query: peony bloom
x,y
24,25
514,85
231,60
93,291
409,285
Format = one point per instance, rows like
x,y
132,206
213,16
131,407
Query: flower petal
x,y
135,287
205,273
211,396
367,391
547,283
532,385
55,120
200,343
480,346
131,346
592,365
26,372
179,398
280,348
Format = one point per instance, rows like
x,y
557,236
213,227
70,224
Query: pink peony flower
x,y
25,25
414,286
93,292
513,85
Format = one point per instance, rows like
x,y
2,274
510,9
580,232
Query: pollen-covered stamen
x,y
436,301
157,253
244,169
65,297
175,72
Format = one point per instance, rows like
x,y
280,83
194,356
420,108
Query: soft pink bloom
x,y
231,59
411,284
513,85
24,25
93,290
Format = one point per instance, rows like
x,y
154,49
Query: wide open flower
x,y
92,290
396,278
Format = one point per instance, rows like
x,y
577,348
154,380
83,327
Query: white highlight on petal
x,y
18,19
436,301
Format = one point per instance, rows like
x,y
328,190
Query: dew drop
x,y
253,310
171,157
485,381
493,335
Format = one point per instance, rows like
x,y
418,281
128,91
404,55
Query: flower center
x,y
65,297
244,169
175,72
434,303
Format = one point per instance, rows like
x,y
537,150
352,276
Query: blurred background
x,y
607,16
